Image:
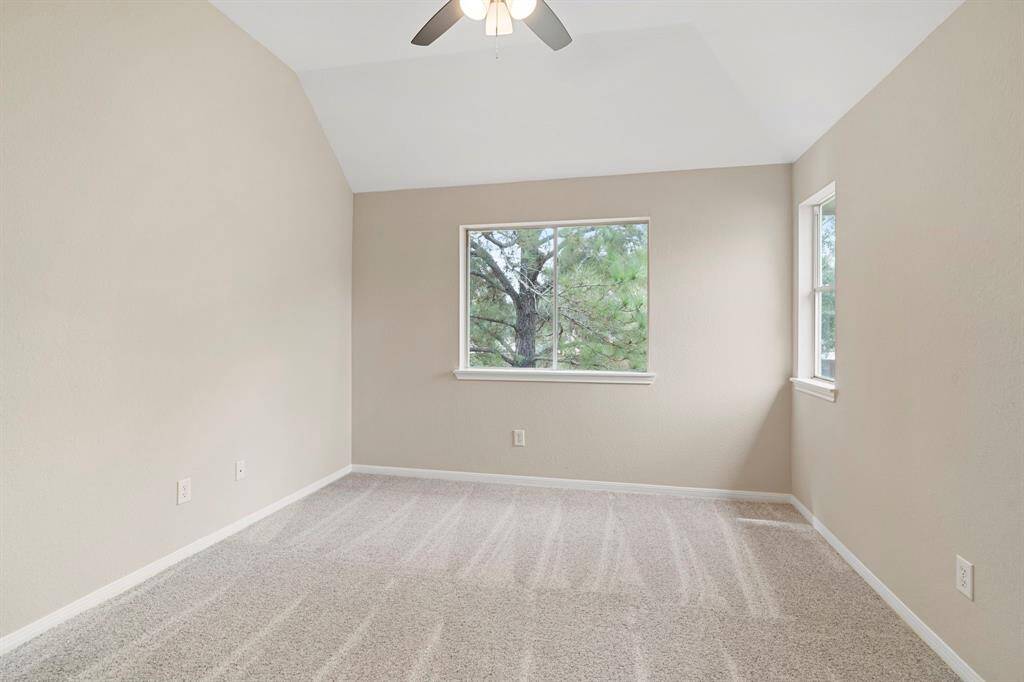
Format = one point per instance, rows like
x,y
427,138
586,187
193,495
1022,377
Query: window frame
x,y
464,371
819,287
807,289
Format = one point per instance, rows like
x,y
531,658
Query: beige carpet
x,y
396,578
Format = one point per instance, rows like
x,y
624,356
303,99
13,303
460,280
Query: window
x,y
825,290
814,334
556,301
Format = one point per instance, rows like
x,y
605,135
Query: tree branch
x,y
491,319
489,236
496,270
563,313
494,351
539,266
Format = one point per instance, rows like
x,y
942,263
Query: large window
x,y
558,300
825,289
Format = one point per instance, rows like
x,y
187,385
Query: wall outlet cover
x,y
184,490
965,577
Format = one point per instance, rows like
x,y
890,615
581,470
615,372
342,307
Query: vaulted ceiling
x,y
646,85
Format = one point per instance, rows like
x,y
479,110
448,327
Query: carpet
x,y
386,578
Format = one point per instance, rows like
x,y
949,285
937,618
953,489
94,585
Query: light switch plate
x,y
239,469
519,438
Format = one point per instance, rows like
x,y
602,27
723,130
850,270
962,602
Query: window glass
x,y
827,247
827,351
592,278
825,295
510,292
602,297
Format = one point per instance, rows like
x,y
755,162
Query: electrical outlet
x,y
965,577
519,438
239,469
184,490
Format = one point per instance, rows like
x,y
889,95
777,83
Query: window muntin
x,y
824,289
567,297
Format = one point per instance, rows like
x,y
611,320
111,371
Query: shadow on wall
x,y
765,465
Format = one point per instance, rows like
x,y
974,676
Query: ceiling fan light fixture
x,y
499,17
499,21
520,9
475,9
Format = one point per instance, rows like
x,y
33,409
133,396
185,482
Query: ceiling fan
x,y
497,16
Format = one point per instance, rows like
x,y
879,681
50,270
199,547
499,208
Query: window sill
x,y
584,377
826,390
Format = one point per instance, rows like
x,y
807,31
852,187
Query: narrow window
x,y
825,289
559,297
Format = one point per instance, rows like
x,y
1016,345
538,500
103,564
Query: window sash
x,y
468,283
818,374
467,230
818,289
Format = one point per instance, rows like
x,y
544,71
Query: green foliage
x,y
601,297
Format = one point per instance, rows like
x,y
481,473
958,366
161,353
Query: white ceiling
x,y
646,85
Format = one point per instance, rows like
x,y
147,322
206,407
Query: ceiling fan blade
x,y
545,23
439,23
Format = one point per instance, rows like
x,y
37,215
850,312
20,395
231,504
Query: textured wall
x,y
718,414
175,290
920,457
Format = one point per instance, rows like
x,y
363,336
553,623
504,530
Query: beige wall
x,y
718,414
920,457
175,290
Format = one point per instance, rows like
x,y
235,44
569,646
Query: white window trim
x,y
806,288
816,387
465,372
571,376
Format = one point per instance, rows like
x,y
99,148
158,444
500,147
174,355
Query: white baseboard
x,y
945,652
22,635
573,483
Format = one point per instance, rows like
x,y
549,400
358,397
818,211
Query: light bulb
x,y
474,9
520,9
499,21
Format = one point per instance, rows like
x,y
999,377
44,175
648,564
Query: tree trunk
x,y
526,304
526,326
